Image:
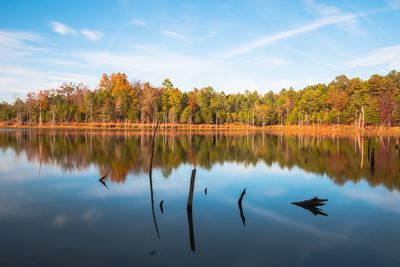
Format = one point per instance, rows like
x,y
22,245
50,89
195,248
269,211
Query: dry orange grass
x,y
323,130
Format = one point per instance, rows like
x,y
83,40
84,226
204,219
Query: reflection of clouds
x,y
61,219
246,169
240,171
175,185
379,197
302,226
12,204
91,216
222,177
17,169
288,221
11,208
274,192
11,173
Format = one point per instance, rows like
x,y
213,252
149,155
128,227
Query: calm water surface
x,y
54,211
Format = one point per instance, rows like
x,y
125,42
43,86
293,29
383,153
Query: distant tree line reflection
x,y
121,153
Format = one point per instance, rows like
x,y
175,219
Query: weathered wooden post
x,y
191,189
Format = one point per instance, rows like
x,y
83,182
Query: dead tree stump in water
x,y
191,189
189,210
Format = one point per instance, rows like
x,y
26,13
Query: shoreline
x,y
324,130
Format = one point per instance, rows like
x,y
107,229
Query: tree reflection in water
x,y
120,153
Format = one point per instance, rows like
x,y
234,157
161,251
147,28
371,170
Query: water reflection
x,y
191,231
373,162
313,209
73,220
121,153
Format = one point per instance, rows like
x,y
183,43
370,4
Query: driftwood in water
x,y
311,202
191,189
241,207
161,206
312,205
102,180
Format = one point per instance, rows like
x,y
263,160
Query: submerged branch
x,y
241,207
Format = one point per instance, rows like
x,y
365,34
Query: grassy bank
x,y
328,130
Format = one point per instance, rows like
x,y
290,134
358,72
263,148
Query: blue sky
x,y
230,45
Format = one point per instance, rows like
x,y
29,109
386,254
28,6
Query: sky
x,y
232,46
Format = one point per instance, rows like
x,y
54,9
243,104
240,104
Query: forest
x,y
375,101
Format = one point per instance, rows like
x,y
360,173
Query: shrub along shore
x,y
308,130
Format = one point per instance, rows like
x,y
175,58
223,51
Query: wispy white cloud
x,y
153,64
146,62
19,43
302,29
386,57
279,84
322,9
21,79
62,29
139,22
174,35
314,59
92,35
268,61
395,4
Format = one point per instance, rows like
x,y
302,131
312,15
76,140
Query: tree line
x,y
375,101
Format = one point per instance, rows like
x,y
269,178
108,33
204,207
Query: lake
x,y
54,210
